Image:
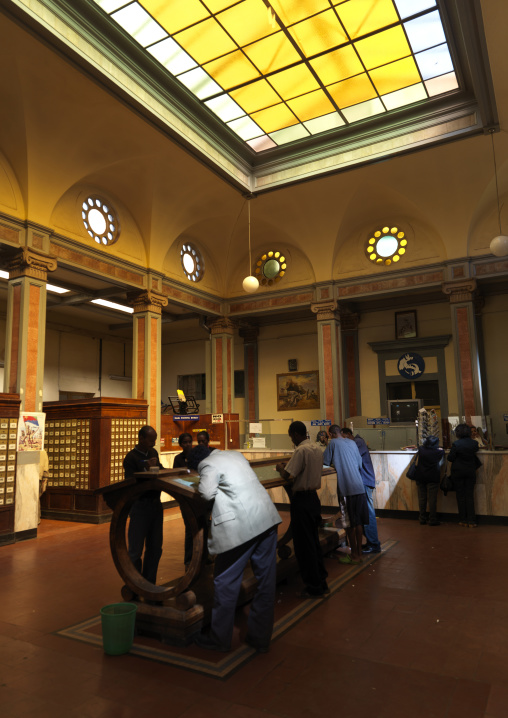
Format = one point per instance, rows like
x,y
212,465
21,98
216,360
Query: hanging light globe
x,y
499,246
250,284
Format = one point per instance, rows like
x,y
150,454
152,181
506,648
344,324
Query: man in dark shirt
x,y
146,515
180,460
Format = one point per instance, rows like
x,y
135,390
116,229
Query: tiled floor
x,y
424,633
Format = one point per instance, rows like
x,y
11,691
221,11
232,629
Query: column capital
x,y
30,262
249,333
148,301
325,310
462,290
222,325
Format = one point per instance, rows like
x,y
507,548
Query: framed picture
x,y
31,427
405,325
298,390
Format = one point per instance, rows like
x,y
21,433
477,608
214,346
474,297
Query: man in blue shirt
x,y
369,481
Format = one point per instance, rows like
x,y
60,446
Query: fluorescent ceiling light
x,y
113,305
58,290
4,275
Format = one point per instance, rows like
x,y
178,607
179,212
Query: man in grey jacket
x,y
244,528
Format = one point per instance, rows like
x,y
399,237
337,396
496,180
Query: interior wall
x,y
277,344
185,357
432,320
495,337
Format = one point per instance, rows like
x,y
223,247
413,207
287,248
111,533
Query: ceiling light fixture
x,y
499,245
113,305
250,284
57,290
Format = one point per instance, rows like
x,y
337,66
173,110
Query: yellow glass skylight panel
x,y
395,76
247,22
218,5
290,12
319,33
255,96
272,53
294,81
274,118
311,105
337,65
361,17
205,41
353,91
231,70
176,15
386,46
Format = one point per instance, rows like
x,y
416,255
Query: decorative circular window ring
x,y
270,267
100,220
192,262
386,245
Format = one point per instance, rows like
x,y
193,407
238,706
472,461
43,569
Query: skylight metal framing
x,y
287,115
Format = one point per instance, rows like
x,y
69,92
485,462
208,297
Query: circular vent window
x,y
192,262
100,220
386,245
270,267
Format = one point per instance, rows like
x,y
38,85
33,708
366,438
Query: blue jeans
x,y
370,529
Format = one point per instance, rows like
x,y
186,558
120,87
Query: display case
x,y
9,414
86,442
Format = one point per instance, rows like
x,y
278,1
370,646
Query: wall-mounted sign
x,y
185,417
379,420
321,422
217,418
411,365
31,431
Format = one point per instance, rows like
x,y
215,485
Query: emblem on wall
x,y
411,365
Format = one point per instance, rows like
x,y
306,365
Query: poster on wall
x,y
31,431
298,390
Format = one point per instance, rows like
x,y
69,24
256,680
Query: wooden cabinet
x,y
225,435
86,442
9,415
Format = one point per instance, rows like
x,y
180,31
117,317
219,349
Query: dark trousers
x,y
370,529
145,529
427,492
464,488
227,581
305,509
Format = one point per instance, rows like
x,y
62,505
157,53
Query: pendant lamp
x,y
499,245
250,284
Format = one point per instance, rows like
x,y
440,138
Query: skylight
x,y
275,72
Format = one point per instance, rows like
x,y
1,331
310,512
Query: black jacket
x,y
464,459
429,464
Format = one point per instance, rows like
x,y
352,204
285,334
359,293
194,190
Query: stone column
x,y
146,354
250,352
26,325
222,335
462,295
351,370
330,360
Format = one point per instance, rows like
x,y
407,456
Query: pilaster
x,y
26,325
351,370
250,351
146,354
222,334
330,360
464,304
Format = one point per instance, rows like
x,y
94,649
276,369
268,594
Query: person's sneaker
x,y
205,641
371,549
255,645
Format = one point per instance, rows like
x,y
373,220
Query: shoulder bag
x,y
411,469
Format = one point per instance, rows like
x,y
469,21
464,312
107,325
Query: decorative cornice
x,y
403,345
222,325
147,301
462,290
30,262
326,311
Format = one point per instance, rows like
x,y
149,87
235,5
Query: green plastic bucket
x,y
118,622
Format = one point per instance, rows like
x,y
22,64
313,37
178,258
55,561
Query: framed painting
x,y
31,431
405,325
298,390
